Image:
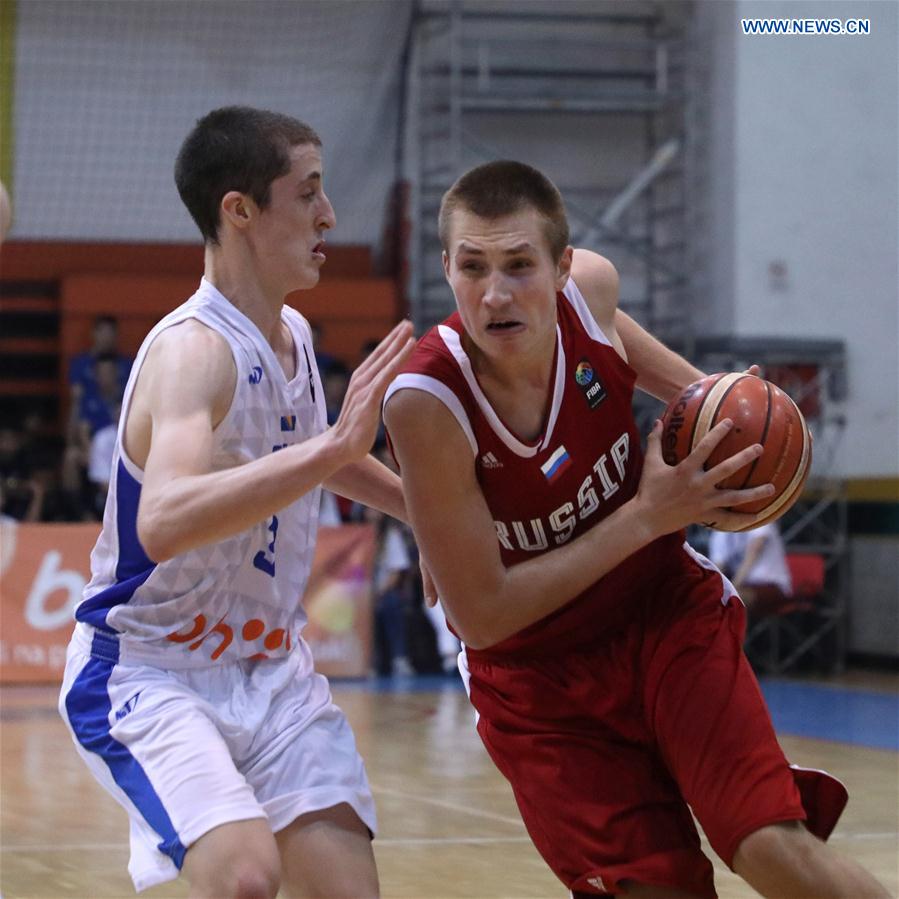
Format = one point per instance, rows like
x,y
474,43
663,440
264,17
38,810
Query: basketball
x,y
761,413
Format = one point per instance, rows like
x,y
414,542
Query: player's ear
x,y
237,208
563,269
446,264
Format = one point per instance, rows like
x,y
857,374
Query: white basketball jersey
x,y
240,598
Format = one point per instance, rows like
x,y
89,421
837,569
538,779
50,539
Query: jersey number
x,y
265,559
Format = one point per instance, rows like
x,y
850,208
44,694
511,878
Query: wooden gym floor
x,y
448,824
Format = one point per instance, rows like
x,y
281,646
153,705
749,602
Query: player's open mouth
x,y
503,326
319,250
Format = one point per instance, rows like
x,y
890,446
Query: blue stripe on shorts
x,y
88,707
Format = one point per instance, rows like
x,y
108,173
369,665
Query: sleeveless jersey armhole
x,y
413,381
130,465
305,356
573,294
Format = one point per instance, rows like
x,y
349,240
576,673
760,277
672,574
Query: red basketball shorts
x,y
608,748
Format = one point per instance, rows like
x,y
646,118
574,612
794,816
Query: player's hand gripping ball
x,y
761,413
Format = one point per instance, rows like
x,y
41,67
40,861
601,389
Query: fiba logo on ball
x,y
583,374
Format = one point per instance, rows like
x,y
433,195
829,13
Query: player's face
x,y
290,230
505,281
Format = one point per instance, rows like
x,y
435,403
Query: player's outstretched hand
x,y
673,496
357,425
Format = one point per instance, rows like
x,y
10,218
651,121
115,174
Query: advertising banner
x,y
45,567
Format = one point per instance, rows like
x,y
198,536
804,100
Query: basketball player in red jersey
x,y
602,654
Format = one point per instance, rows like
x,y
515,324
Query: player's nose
x,y
327,218
496,291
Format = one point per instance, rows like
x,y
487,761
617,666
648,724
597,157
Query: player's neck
x,y
241,285
518,387
509,371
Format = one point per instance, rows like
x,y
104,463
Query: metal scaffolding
x,y
470,63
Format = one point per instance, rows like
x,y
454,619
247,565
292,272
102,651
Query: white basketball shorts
x,y
189,750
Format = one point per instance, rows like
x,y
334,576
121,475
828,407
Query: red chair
x,y
806,574
795,628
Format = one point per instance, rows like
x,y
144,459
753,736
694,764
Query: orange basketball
x,y
761,413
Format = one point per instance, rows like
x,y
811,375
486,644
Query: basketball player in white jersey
x,y
603,655
188,689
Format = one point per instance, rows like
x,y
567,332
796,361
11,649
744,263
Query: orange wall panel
x,y
347,299
345,339
350,311
48,260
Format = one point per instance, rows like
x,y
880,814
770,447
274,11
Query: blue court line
x,y
859,717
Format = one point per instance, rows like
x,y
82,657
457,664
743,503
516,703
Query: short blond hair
x,y
501,188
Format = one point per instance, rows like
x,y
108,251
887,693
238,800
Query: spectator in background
x,y
21,490
94,386
448,644
100,460
381,440
98,409
391,596
335,382
756,563
83,382
367,349
392,575
325,361
100,405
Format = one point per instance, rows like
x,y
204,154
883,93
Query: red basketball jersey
x,y
545,492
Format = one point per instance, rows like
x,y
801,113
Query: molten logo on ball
x,y
674,421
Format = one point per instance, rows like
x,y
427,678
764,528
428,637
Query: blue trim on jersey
x,y
133,566
89,708
105,646
132,558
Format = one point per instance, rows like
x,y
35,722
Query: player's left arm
x,y
371,483
660,371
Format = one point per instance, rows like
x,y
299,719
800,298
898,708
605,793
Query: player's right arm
x,y
487,602
184,389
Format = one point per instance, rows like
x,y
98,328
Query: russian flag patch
x,y
558,462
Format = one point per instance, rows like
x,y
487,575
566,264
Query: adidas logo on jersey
x,y
488,460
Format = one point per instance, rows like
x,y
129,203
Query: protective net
x,y
105,92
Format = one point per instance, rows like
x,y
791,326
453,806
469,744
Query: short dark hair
x,y
235,148
504,187
106,320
